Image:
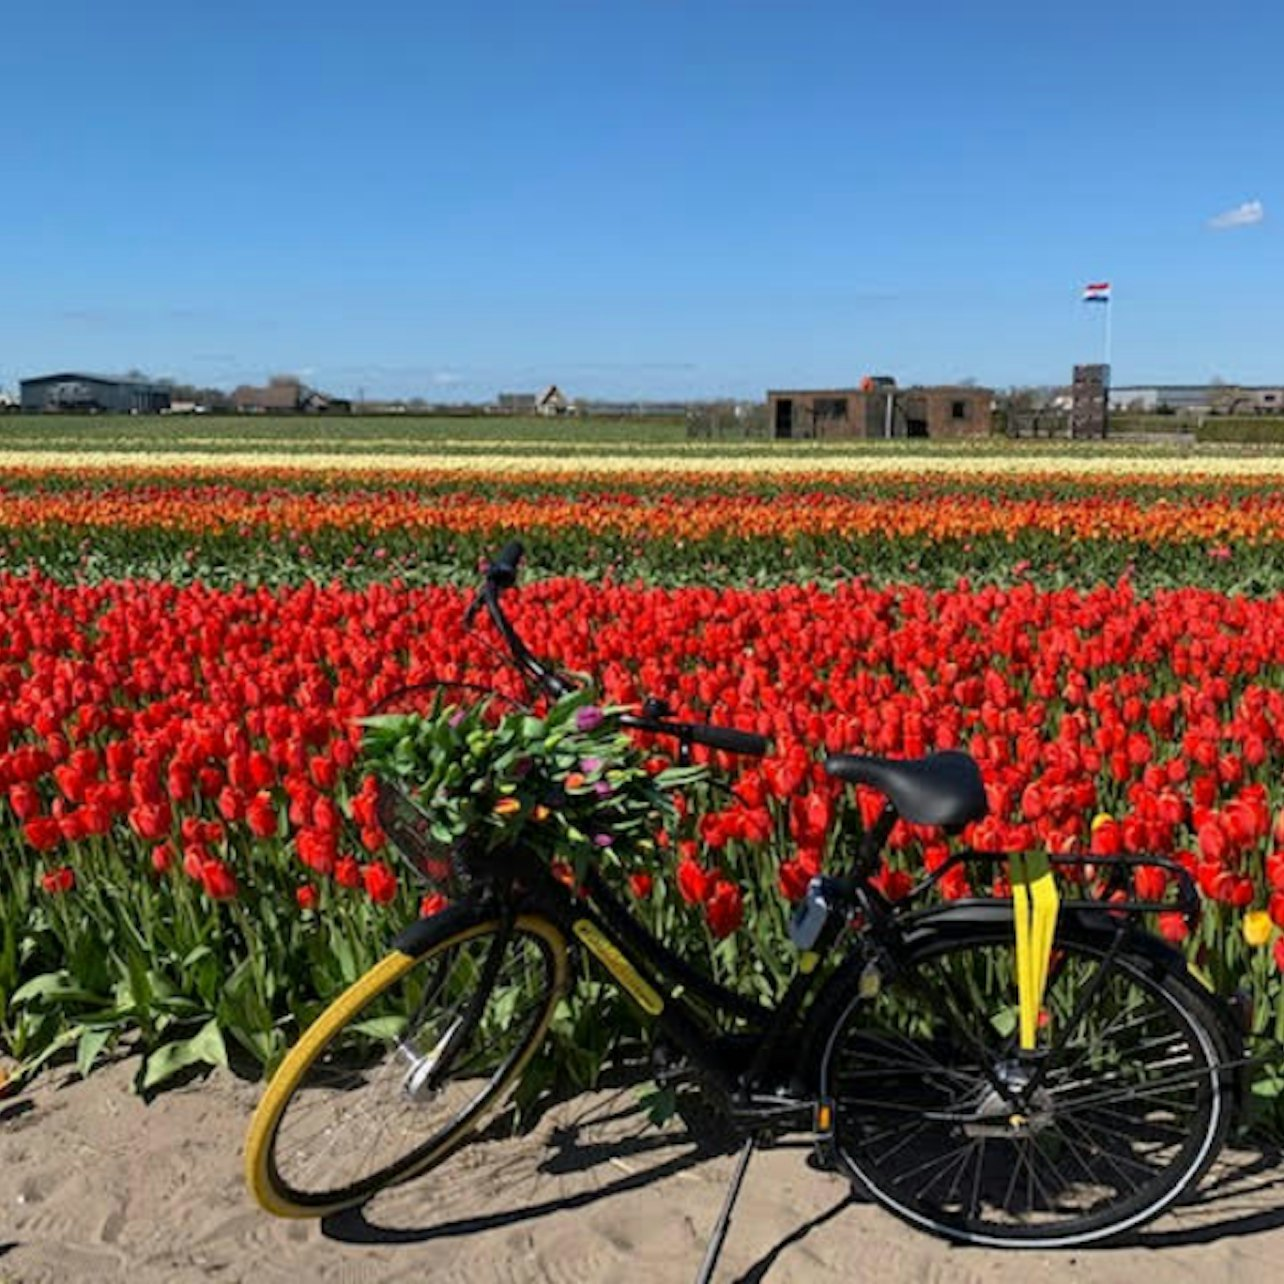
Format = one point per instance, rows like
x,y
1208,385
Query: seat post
x,y
874,839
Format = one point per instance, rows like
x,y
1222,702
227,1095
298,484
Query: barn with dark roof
x,y
89,392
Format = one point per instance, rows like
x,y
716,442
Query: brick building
x,y
879,409
285,394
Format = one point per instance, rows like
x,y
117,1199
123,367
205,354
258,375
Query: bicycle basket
x,y
449,867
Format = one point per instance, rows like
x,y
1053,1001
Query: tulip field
x,y
191,865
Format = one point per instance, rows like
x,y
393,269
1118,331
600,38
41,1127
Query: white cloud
x,y
1244,215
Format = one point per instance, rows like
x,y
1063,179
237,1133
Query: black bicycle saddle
x,y
942,789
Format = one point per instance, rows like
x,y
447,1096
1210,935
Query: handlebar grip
x,y
733,741
502,572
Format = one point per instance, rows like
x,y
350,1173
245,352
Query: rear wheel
x,y
405,1065
939,1118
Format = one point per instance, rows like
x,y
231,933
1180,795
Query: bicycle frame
x,y
672,991
679,997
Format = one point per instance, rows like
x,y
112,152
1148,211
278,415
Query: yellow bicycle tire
x,y
299,1060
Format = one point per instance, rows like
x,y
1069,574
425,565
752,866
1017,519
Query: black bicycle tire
x,y
1190,1003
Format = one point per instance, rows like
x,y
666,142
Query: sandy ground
x,y
95,1185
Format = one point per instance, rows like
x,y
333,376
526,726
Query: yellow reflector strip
x,y
610,957
1035,904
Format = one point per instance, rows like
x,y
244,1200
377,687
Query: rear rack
x,y
1111,875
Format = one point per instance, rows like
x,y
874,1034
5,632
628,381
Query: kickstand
x,y
719,1237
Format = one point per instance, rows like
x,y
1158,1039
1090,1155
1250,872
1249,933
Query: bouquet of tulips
x,y
568,788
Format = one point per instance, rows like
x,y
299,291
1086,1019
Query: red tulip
x,y
25,801
260,816
694,884
218,881
58,881
724,910
380,881
432,904
640,884
42,832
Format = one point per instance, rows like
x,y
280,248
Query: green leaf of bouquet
x,y
383,721
681,777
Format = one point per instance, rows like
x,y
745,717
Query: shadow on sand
x,y
612,1145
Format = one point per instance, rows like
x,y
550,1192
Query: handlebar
x,y
501,574
730,739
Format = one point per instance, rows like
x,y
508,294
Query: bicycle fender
x,y
420,936
959,919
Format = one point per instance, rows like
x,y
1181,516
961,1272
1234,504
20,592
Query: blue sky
x,y
659,198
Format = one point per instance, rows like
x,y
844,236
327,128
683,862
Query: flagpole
x,y
1110,307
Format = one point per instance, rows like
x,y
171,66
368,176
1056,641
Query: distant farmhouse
x,y
1200,399
286,395
87,392
552,401
878,408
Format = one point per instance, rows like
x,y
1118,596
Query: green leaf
x,y
1004,1021
53,988
64,1039
384,1028
1268,1086
205,1047
383,721
681,777
90,1047
660,1104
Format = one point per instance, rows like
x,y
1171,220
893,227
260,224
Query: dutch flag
x,y
1098,292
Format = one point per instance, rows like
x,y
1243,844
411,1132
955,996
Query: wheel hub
x,y
998,1115
417,1083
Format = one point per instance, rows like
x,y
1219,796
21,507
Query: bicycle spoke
x,y
939,1106
374,1100
1112,1158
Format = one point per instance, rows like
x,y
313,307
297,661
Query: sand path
x,y
95,1185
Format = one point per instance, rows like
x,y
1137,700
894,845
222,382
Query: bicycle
x,y
1077,1109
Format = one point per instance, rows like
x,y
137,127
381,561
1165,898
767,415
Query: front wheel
x,y
406,1064
942,1120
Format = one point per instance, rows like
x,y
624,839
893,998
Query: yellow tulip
x,y
1101,818
1257,927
